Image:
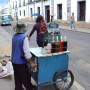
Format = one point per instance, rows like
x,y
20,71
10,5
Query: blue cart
x,y
52,69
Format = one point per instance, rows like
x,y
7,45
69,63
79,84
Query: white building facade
x,y
5,10
59,9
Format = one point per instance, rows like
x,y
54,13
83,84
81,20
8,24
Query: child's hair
x,y
20,27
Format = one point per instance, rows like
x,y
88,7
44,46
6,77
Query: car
x,y
5,20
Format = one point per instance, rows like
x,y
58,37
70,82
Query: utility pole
x,y
42,7
10,9
68,9
34,5
28,8
52,10
16,11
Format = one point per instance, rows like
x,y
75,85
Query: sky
x,y
3,2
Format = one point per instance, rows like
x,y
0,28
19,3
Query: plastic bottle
x,y
48,48
65,43
62,44
53,37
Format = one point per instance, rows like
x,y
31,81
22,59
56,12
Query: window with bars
x,y
13,5
24,12
19,3
23,2
38,9
16,4
31,12
30,1
20,12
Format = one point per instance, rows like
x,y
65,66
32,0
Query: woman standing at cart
x,y
41,28
20,57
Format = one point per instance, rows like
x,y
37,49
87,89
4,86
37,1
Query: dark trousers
x,y
41,44
22,76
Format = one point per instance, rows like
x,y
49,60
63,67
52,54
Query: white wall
x,y
64,8
74,8
87,10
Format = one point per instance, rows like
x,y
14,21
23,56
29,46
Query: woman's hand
x,y
33,65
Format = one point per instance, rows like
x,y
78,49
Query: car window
x,y
7,17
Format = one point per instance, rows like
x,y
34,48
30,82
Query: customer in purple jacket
x,y
20,57
41,28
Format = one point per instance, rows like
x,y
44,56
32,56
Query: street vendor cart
x,y
52,69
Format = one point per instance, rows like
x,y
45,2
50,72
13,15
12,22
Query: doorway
x,y
47,13
38,9
59,11
81,10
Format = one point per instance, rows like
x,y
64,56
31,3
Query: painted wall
x,y
53,9
87,10
74,8
64,9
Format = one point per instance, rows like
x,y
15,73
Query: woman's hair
x,y
42,25
39,19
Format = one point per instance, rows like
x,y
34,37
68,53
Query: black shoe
x,y
34,88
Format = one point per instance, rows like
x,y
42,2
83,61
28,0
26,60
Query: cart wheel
x,y
64,80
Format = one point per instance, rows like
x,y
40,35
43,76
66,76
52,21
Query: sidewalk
x,y
76,29
85,30
5,42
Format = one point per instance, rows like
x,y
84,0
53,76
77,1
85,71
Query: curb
x,y
84,30
67,28
76,30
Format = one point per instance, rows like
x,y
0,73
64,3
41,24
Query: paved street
x,y
8,84
5,42
78,44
